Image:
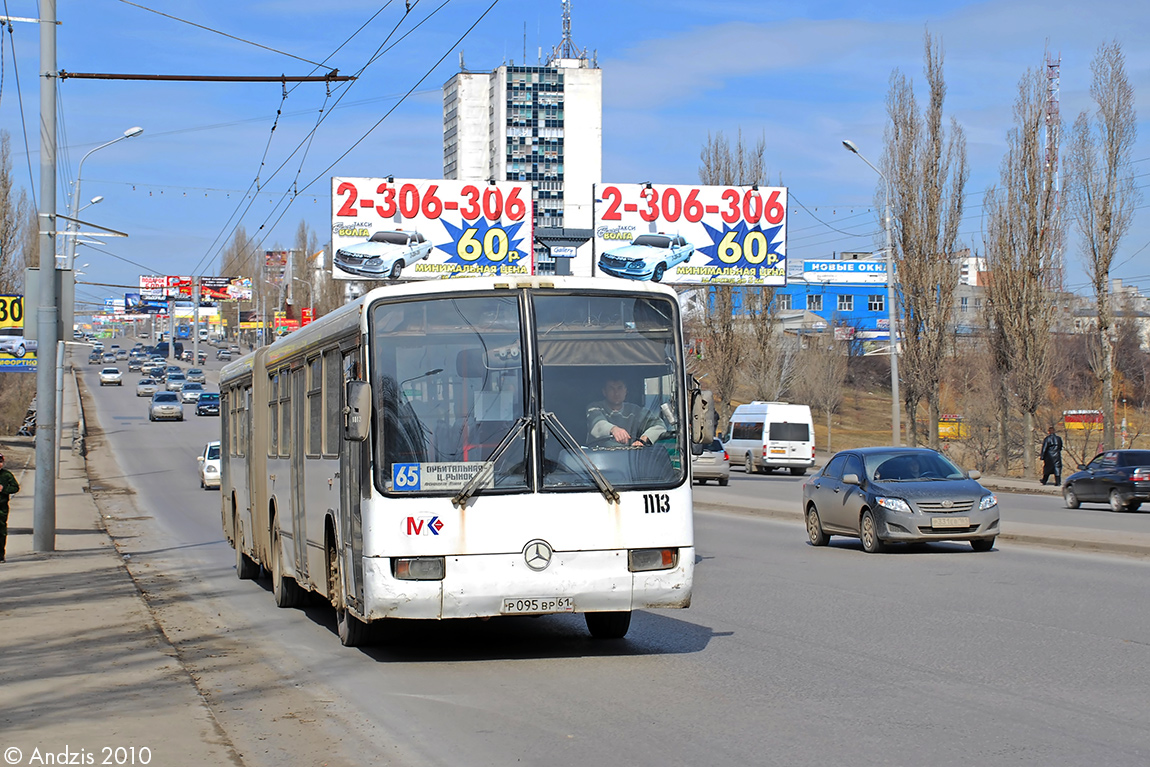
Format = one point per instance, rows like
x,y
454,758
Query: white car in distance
x,y
111,377
209,462
384,255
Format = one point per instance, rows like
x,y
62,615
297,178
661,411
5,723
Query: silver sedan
x,y
146,387
884,495
166,406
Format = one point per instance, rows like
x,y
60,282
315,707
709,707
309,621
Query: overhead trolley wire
x,y
218,32
388,113
290,195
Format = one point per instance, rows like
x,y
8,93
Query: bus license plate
x,y
528,605
950,522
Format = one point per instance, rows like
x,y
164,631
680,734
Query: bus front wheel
x,y
608,625
351,630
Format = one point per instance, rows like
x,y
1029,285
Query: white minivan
x,y
764,436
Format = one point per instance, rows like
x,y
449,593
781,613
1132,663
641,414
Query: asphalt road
x,y
790,655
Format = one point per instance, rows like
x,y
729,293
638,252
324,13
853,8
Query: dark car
x,y
1120,478
886,495
208,404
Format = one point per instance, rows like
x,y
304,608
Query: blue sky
x,y
802,75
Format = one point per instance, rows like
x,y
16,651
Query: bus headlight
x,y
418,568
639,560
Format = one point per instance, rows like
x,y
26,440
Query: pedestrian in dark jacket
x,y
1052,457
8,487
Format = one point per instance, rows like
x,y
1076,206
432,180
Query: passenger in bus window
x,y
613,421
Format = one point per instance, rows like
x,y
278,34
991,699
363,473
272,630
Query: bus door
x,y
351,465
296,440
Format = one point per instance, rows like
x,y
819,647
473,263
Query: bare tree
x,y
822,371
15,211
927,171
725,347
771,363
722,349
1103,196
239,260
1023,231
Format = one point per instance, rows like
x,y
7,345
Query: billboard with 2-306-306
x,y
392,229
691,234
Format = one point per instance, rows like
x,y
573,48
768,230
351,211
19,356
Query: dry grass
x,y
16,393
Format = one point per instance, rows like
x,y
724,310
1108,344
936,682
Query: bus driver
x,y
614,421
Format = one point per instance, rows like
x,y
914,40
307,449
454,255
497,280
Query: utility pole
x,y
195,321
44,505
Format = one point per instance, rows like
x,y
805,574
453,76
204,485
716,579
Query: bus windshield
x,y
608,367
453,397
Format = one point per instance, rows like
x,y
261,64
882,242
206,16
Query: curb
x,y
997,487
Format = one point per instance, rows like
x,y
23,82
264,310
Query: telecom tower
x,y
539,124
1053,141
566,48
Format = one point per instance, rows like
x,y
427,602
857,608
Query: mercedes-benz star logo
x,y
537,554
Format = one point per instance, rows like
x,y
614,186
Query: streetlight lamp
x,y
310,302
74,225
892,310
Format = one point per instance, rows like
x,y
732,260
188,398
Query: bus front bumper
x,y
478,586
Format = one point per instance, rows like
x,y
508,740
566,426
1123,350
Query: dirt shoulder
x,y
268,716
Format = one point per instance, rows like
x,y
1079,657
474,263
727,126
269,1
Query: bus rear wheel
x,y
351,630
608,625
286,591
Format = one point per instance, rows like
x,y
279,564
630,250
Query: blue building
x,y
849,295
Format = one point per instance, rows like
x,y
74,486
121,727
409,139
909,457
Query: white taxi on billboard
x,y
384,255
647,257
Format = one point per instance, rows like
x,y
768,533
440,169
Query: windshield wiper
x,y
605,487
487,471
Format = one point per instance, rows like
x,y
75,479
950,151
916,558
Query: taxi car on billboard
x,y
647,257
384,255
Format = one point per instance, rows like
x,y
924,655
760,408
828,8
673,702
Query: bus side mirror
x,y
702,416
357,410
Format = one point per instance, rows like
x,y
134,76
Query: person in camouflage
x,y
8,487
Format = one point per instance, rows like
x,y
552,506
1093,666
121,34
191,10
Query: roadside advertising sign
x,y
384,229
691,234
240,289
852,272
306,316
153,287
226,288
179,287
17,354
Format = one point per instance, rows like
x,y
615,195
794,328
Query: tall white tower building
x,y
541,124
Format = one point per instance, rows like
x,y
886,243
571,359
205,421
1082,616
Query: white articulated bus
x,y
452,449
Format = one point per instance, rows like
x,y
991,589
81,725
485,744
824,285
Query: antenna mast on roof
x,y
567,49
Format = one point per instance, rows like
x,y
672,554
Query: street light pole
x,y
44,499
310,301
74,226
892,309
